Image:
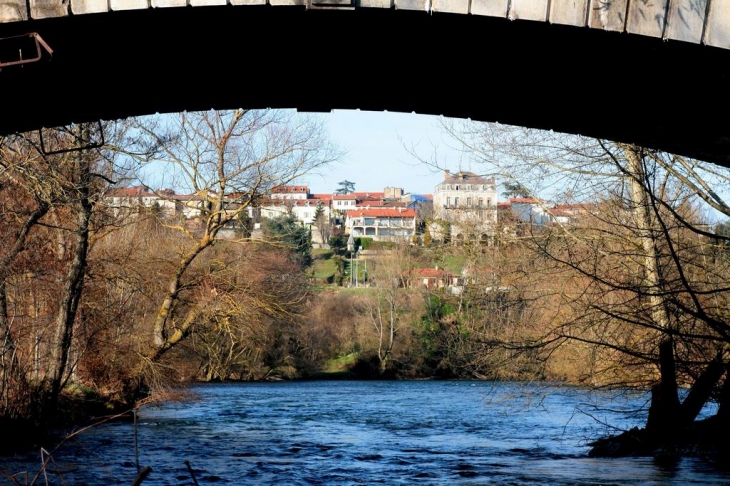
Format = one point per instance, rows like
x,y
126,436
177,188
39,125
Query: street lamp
x,y
357,265
351,249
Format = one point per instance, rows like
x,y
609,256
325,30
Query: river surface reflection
x,y
369,432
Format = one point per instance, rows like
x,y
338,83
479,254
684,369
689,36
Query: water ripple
x,y
354,433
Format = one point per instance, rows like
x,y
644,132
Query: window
x,y
448,202
457,187
456,201
489,203
468,202
481,202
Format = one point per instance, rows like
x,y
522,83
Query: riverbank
x,y
705,439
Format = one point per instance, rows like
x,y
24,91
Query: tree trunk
x,y
702,389
72,285
723,412
664,409
160,331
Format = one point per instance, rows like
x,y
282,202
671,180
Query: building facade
x,y
289,192
382,224
468,202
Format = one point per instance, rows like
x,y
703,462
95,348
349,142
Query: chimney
x,y
446,174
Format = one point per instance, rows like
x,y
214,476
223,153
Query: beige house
x,y
468,202
123,201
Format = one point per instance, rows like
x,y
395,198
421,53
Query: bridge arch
x,y
625,81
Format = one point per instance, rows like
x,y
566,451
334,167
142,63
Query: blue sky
x,y
376,153
377,156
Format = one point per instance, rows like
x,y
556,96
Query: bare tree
x,y
228,160
60,177
387,307
643,293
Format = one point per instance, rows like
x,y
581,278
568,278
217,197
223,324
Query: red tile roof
x,y
430,272
383,213
135,191
380,204
289,189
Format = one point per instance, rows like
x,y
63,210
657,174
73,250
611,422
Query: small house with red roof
x,y
432,278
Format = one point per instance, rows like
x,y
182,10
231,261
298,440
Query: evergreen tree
x,y
286,231
338,243
346,187
244,225
322,222
515,189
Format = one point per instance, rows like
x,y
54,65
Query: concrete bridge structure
x,y
652,72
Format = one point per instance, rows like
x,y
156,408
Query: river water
x,y
364,432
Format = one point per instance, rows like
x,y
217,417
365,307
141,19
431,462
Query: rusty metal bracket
x,y
83,144
39,43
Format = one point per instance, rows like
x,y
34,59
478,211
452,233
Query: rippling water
x,y
348,433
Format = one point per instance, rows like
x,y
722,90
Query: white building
x,y
344,202
382,224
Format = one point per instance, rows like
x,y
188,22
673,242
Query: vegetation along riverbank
x,y
112,293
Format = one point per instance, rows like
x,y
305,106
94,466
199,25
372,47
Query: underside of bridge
x,y
667,95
